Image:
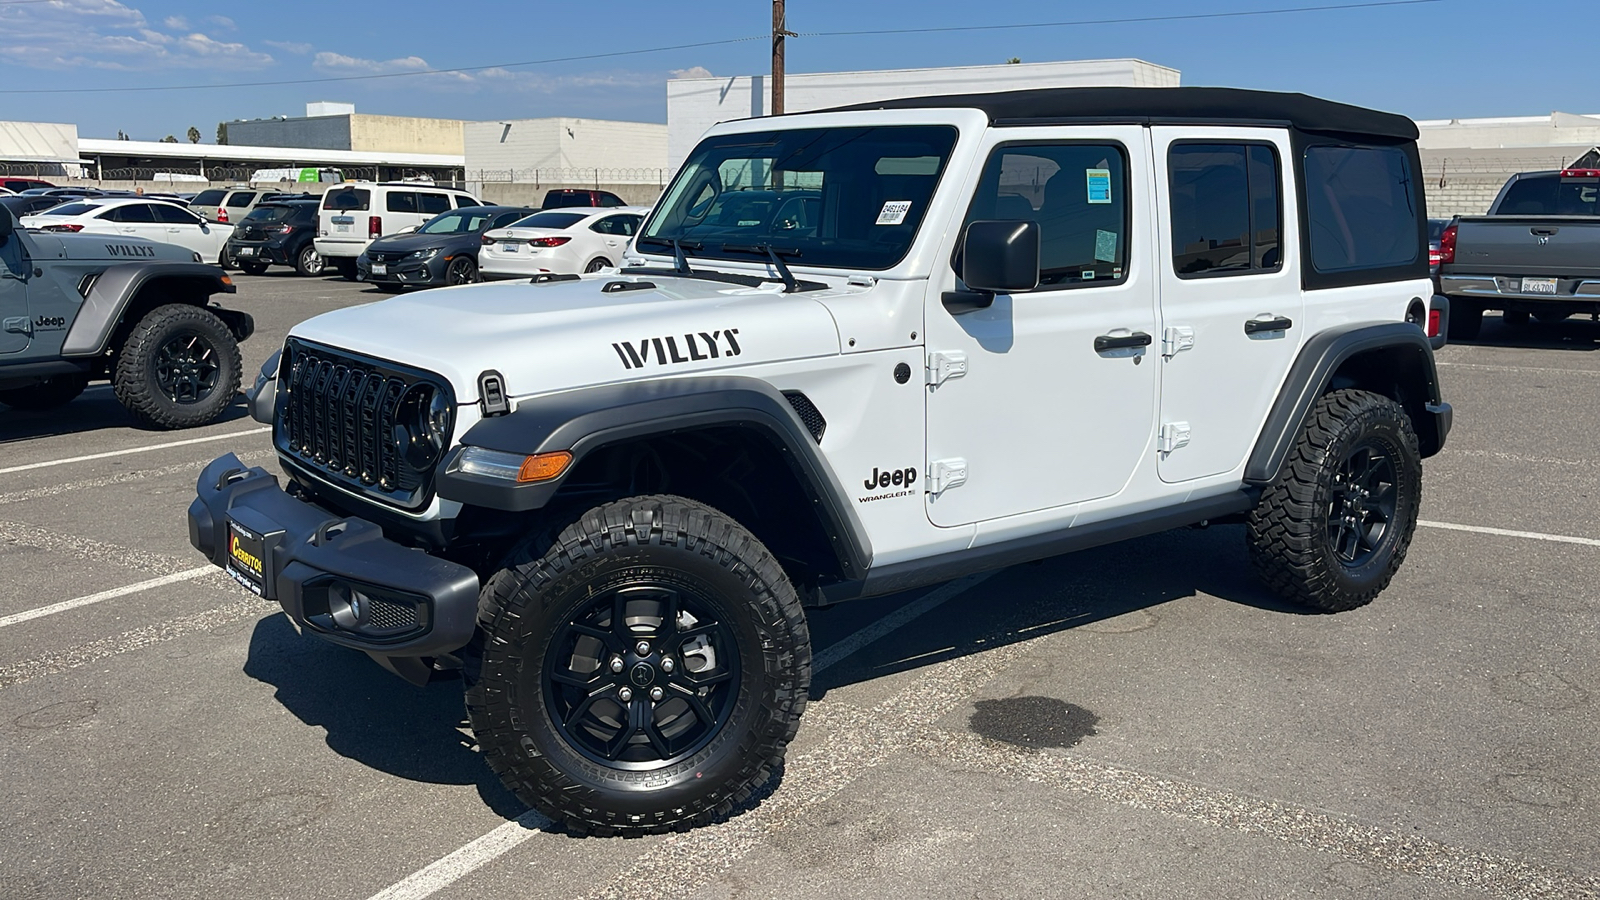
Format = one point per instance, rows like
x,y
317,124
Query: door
x,y
14,263
1231,305
187,230
1047,397
613,232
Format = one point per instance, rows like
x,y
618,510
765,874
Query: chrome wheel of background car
x,y
641,676
310,262
187,368
598,264
1363,503
462,270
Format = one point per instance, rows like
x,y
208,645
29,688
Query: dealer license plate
x,y
1538,285
246,251
246,558
380,269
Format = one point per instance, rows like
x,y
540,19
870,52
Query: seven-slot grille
x,y
338,417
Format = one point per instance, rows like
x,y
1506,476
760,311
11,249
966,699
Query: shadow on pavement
x,y
96,409
1576,333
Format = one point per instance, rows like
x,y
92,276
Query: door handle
x,y
1543,231
1121,341
1262,326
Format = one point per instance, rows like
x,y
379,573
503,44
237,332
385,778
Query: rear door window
x,y
433,204
1361,208
348,199
133,212
1224,208
172,215
208,198
401,202
240,199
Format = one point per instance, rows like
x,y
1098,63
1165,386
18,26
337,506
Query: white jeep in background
x,y
854,352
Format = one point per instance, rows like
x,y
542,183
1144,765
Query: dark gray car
x,y
444,250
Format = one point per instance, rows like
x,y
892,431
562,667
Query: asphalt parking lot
x,y
1142,720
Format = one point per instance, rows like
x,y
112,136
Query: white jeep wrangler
x,y
853,352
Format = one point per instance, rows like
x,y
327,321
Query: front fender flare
x,y
116,287
584,420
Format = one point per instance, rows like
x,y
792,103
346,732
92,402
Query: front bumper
x,y
314,563
410,271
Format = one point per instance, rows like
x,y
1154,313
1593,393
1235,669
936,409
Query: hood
x,y
112,248
406,243
548,337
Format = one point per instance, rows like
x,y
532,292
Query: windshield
x,y
848,198
455,223
556,220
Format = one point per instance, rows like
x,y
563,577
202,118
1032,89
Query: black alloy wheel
x,y
187,368
1363,503
641,676
462,270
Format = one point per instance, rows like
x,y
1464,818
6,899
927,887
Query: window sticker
x,y
1105,246
1087,274
894,212
1099,185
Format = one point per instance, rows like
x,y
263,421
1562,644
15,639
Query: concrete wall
x,y
512,151
1462,195
695,104
362,132
320,133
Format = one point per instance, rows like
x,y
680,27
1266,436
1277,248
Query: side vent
x,y
808,413
492,398
86,284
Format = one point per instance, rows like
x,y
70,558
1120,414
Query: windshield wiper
x,y
680,263
776,254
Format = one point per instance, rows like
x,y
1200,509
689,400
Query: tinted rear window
x,y
208,198
347,199
552,220
241,199
1550,195
73,209
1361,207
266,214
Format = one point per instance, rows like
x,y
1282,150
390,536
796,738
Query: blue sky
x,y
1454,58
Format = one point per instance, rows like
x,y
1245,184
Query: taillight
x,y
1433,322
374,226
486,240
72,228
548,241
1433,256
1447,246
284,229
222,216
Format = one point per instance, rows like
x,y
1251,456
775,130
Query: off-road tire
x,y
57,390
1289,529
253,268
135,381
309,262
549,579
1466,320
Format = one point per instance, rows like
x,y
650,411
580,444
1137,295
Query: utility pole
x,y
779,32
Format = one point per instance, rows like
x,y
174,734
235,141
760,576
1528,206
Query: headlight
x,y
422,426
429,253
516,468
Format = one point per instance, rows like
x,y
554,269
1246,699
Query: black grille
x,y
810,416
383,615
341,416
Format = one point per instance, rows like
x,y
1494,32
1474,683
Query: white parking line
x,y
1503,532
63,606
132,450
1498,368
448,870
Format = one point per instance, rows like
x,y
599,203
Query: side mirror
x,y
1001,257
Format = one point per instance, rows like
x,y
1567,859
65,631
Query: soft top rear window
x,y
347,199
551,220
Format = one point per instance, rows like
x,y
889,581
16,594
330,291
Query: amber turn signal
x,y
544,467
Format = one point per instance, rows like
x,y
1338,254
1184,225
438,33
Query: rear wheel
x,y
253,268
309,262
462,270
1466,320
642,671
179,367
596,265
57,390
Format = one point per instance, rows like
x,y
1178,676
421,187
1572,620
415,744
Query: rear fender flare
x,y
114,289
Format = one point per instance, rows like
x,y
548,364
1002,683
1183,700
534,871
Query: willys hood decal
x,y
549,337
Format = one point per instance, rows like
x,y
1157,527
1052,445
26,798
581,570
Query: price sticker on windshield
x,y
894,212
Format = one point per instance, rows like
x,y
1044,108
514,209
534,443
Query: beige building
x,y
337,126
1465,162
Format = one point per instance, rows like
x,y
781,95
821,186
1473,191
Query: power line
x,y
738,40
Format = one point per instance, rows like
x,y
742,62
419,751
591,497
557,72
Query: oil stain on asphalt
x,y
1035,722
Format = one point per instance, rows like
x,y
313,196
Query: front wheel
x,y
642,671
179,367
1333,527
462,270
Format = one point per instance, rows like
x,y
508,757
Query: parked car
x,y
278,232
64,192
561,198
19,184
443,251
228,206
153,220
560,242
1535,254
1020,324
355,214
21,205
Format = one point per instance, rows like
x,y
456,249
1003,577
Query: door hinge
x,y
1172,436
1176,339
944,474
944,365
17,325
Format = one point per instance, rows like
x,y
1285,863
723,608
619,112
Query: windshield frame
x,y
945,138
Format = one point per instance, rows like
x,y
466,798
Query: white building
x,y
696,104
566,150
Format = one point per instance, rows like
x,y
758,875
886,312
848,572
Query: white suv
x,y
355,214
861,351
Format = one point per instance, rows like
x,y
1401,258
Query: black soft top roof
x,y
1124,104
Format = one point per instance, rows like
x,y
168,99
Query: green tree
x,y
1013,60
169,139
222,132
194,135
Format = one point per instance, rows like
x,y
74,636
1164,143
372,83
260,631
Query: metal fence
x,y
569,176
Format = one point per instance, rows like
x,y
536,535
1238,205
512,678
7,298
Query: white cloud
x,y
222,22
295,47
691,72
105,34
